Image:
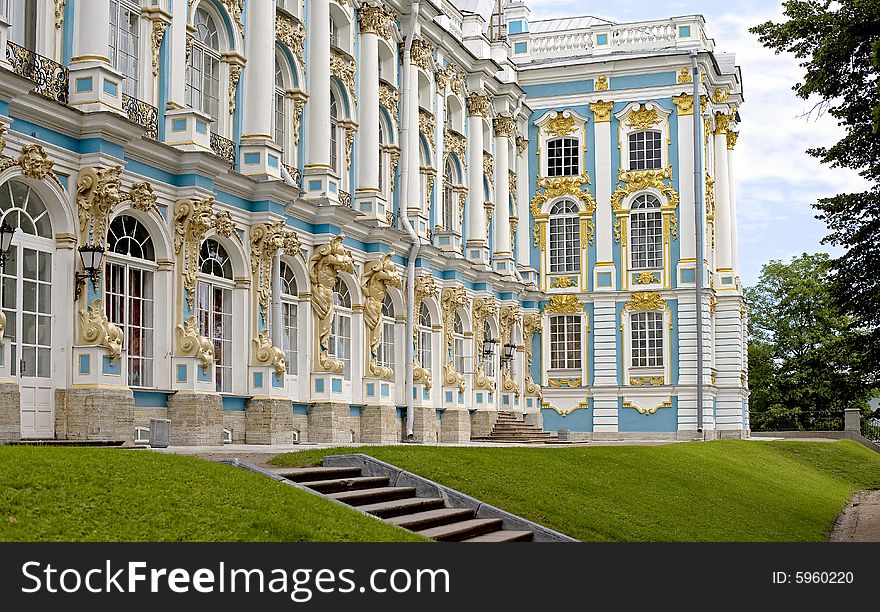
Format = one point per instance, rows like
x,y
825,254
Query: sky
x,y
776,181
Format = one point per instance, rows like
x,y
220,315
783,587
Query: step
x,y
462,530
397,507
503,535
432,518
301,474
346,484
368,496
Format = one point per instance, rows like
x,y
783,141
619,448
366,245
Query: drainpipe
x,y
698,234
404,217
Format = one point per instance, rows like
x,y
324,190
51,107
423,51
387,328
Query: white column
x,y
731,181
414,192
604,220
368,110
259,73
91,34
276,325
723,255
318,150
478,107
503,126
523,236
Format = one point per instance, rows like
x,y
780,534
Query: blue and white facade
x,y
262,175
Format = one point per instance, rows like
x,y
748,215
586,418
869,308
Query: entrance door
x,y
27,296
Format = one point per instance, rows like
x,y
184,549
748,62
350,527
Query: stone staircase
x,y
509,428
430,516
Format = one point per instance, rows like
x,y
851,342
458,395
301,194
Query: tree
x,y
838,43
804,351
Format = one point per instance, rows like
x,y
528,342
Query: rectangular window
x,y
459,355
565,245
386,347
340,341
279,120
289,316
562,157
644,151
565,342
647,339
647,240
215,323
124,44
425,348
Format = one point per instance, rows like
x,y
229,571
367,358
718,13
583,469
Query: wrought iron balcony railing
x,y
223,147
295,175
49,76
345,198
145,115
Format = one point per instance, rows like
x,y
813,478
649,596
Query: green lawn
x,y
715,491
80,494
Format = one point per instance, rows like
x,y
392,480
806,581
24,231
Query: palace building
x,y
336,221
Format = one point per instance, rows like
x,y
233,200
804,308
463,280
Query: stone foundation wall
x,y
196,419
536,419
379,425
142,416
482,422
10,412
234,420
268,421
455,425
426,427
329,423
94,413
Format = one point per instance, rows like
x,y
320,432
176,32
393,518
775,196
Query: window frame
x,y
567,220
645,227
130,82
226,285
566,334
201,50
642,148
290,303
654,318
341,328
563,159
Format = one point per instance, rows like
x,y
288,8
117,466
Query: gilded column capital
x,y
375,20
505,126
722,123
731,139
684,103
478,105
601,111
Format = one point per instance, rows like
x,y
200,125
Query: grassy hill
x,y
81,494
715,491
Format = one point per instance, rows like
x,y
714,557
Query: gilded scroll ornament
x,y
266,354
641,381
266,242
98,191
191,344
571,383
156,36
531,326
427,125
560,125
235,7
643,118
646,300
59,13
720,96
35,163
521,145
142,197
637,180
420,54
324,267
343,68
298,107
97,330
563,282
510,317
224,225
192,220
234,76
455,143
550,188
451,299
378,275
488,165
564,304
389,97
646,278
666,404
290,31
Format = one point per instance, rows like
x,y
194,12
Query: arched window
x,y
645,150
565,238
279,107
340,334
203,70
334,33
424,337
563,157
289,316
646,229
24,22
124,20
458,345
334,133
129,295
448,198
214,308
386,347
27,284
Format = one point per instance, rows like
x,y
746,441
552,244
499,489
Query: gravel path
x,y
860,520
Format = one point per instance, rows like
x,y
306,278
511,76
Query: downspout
x,y
405,144
698,235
